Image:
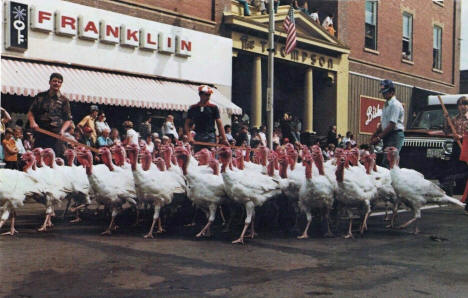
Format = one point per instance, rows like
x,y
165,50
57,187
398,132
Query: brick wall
x,y
389,40
200,15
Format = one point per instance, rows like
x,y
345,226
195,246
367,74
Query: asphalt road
x,y
73,260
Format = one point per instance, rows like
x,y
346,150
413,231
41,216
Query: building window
x,y
437,48
371,25
407,47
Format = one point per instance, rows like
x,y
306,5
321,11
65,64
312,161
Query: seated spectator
x,y
326,153
228,132
243,137
131,136
262,134
101,123
255,140
169,129
348,145
352,140
245,3
315,16
276,137
104,140
87,137
28,141
328,24
70,133
166,140
18,136
89,121
347,138
10,150
149,143
115,136
157,146
331,150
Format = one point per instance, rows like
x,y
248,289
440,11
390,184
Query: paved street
x,y
73,260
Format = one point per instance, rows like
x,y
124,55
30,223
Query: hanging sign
x,y
16,27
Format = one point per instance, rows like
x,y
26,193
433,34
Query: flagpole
x,y
270,85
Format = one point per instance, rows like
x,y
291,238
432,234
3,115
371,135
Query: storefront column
x,y
256,96
308,101
342,95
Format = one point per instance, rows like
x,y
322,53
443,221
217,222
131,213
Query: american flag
x,y
290,27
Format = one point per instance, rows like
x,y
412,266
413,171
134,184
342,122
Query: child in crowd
x,y
11,151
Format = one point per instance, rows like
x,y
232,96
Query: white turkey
x,y
317,192
415,191
205,189
247,188
153,185
355,189
15,186
108,182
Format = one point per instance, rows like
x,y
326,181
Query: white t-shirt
x,y
327,22
262,138
132,136
150,147
19,145
100,126
393,112
168,128
314,16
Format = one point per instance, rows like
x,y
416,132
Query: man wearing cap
x,y
50,110
204,115
90,121
391,128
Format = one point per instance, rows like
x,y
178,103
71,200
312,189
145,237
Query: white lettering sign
x,y
166,43
65,24
129,36
148,40
88,28
372,113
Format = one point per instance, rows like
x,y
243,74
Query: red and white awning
x,y
88,86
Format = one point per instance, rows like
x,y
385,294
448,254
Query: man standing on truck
x,y
391,128
459,167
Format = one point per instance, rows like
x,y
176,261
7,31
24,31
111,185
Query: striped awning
x,y
89,86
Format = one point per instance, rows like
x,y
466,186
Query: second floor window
x,y
371,25
437,48
407,46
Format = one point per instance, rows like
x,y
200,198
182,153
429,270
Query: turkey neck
x,y
247,154
240,162
319,163
339,171
308,170
283,170
271,168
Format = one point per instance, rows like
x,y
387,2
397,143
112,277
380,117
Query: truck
x,y
427,148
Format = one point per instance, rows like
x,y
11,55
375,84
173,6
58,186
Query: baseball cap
x,y
94,108
386,86
205,89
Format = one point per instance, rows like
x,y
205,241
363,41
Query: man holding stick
x,y
204,115
459,157
50,110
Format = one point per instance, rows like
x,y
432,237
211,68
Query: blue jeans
x,y
393,139
246,7
208,137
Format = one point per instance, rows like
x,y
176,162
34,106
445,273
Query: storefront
x,y
311,82
124,64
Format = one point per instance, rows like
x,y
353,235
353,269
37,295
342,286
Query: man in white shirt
x,y
328,21
391,129
315,16
262,135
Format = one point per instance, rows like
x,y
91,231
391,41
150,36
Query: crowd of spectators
x,y
301,5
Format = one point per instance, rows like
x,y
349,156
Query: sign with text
x,y
370,112
16,31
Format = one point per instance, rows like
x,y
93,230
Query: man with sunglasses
x,y
391,128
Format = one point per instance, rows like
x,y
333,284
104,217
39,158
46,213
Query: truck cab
x,y
426,147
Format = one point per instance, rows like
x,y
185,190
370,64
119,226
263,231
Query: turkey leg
x,y
329,233
350,233
249,207
306,230
157,208
111,225
211,218
12,231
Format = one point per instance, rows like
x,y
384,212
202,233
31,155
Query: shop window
x,y
437,48
371,25
407,44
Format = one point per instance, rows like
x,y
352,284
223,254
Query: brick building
x,y
127,56
415,43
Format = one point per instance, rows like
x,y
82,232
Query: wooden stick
x,y
452,128
64,139
216,145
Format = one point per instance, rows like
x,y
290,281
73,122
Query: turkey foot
x,y
45,224
406,224
205,231
107,232
76,220
303,236
241,238
160,228
240,241
350,233
12,232
149,235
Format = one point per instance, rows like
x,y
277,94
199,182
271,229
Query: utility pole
x,y
271,59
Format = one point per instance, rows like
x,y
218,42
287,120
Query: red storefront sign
x,y
370,112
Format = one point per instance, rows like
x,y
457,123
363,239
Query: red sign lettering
x,y
186,45
149,40
44,15
91,27
68,21
114,31
132,34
